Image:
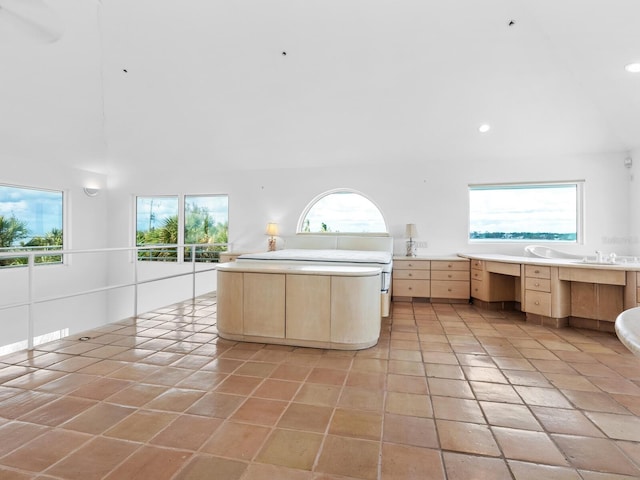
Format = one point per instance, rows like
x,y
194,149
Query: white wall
x,y
432,194
634,203
85,227
51,93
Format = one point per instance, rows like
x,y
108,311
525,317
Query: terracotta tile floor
x,y
450,392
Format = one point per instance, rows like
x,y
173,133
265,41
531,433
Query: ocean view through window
x,y
526,212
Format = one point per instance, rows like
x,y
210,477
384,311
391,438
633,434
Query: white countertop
x,y
338,270
443,258
554,262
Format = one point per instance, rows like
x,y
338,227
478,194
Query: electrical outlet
x,y
421,245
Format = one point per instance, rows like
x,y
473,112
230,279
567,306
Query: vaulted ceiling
x,y
254,83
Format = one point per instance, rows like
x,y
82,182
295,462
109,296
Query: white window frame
x,y
579,214
181,214
311,204
64,227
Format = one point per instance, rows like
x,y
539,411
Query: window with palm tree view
x,y
204,221
342,211
30,219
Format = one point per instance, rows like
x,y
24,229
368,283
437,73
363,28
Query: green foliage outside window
x,y
205,221
30,219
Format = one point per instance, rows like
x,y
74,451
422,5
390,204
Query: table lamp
x,y
410,233
272,231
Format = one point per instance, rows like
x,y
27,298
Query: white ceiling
x,y
363,82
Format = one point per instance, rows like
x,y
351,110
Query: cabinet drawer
x,y
477,264
538,303
536,271
477,275
539,284
449,265
411,274
453,275
446,289
412,264
412,288
479,290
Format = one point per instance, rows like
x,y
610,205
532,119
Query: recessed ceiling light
x,y
484,128
632,67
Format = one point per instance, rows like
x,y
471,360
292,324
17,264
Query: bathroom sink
x,y
546,252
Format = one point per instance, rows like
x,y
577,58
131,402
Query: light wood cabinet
x,y
263,303
596,294
632,290
597,302
450,279
230,300
308,307
546,294
537,282
490,286
556,293
323,306
479,288
412,278
437,279
351,320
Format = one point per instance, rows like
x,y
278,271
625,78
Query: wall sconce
x,y
91,192
410,233
272,231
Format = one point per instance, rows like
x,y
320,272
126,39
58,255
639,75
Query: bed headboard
x,y
339,242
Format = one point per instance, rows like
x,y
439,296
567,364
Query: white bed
x,y
327,249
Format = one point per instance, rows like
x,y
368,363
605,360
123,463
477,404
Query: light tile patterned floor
x,y
450,391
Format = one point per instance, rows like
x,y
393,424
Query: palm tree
x,y
11,231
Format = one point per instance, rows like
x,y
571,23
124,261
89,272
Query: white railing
x,y
135,259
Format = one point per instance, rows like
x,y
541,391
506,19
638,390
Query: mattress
x,y
367,258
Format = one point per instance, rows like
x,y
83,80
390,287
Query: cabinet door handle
x,y
411,264
411,274
537,284
449,266
449,290
536,271
449,275
410,288
536,303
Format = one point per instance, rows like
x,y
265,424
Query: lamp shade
x,y
411,231
272,229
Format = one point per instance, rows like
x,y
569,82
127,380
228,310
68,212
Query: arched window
x,y
342,211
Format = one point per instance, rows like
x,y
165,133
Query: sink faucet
x,y
599,257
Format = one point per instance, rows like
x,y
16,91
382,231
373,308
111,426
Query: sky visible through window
x,y
217,206
40,210
152,212
543,212
345,212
